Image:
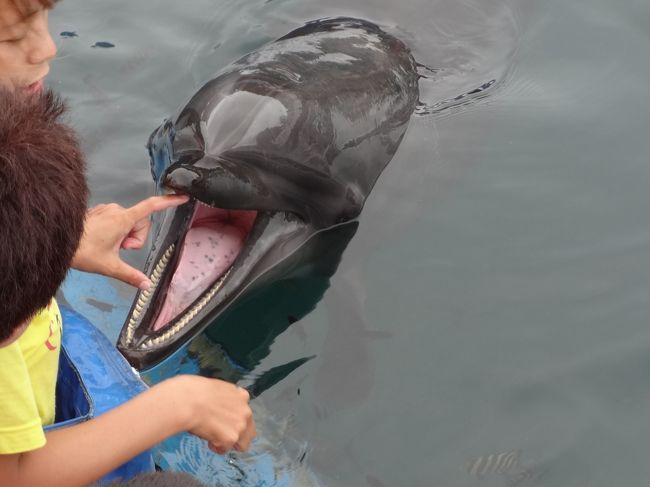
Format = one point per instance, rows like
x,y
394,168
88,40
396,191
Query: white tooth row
x,y
145,295
187,316
209,206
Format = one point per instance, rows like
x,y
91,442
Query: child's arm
x,y
79,455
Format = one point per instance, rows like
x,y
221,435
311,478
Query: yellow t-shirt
x,y
28,372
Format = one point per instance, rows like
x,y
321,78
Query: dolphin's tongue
x,y
211,246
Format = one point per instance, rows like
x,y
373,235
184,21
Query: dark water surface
x,y
495,298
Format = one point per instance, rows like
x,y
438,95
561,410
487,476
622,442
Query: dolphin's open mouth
x,y
189,273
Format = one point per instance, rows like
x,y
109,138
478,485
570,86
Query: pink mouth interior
x,y
211,245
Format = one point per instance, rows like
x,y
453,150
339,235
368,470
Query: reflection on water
x,y
495,295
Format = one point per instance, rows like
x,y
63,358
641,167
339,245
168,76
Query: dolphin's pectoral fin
x,y
274,375
250,180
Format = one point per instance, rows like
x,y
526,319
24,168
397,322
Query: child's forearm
x,y
81,454
78,455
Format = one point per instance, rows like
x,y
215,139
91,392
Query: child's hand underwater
x,y
110,227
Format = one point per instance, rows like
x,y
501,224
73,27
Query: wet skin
x,y
282,145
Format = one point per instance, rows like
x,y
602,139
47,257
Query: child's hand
x,y
216,411
111,227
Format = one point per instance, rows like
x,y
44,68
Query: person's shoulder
x,y
20,423
11,355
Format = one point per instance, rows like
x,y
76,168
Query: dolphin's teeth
x,y
160,267
208,205
145,295
188,316
130,328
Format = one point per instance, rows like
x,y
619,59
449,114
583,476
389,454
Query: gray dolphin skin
x,y
279,147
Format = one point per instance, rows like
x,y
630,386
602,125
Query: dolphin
x,y
276,150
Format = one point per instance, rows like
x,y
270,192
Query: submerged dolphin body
x,y
281,146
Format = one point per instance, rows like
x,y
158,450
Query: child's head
x,y
26,46
43,195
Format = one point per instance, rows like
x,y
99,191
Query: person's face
x,y
26,46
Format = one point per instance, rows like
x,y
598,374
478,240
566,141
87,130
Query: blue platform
x,y
93,379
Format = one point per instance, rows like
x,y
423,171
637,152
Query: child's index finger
x,y
156,203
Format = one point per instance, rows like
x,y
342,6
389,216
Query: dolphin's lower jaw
x,y
161,320
202,256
